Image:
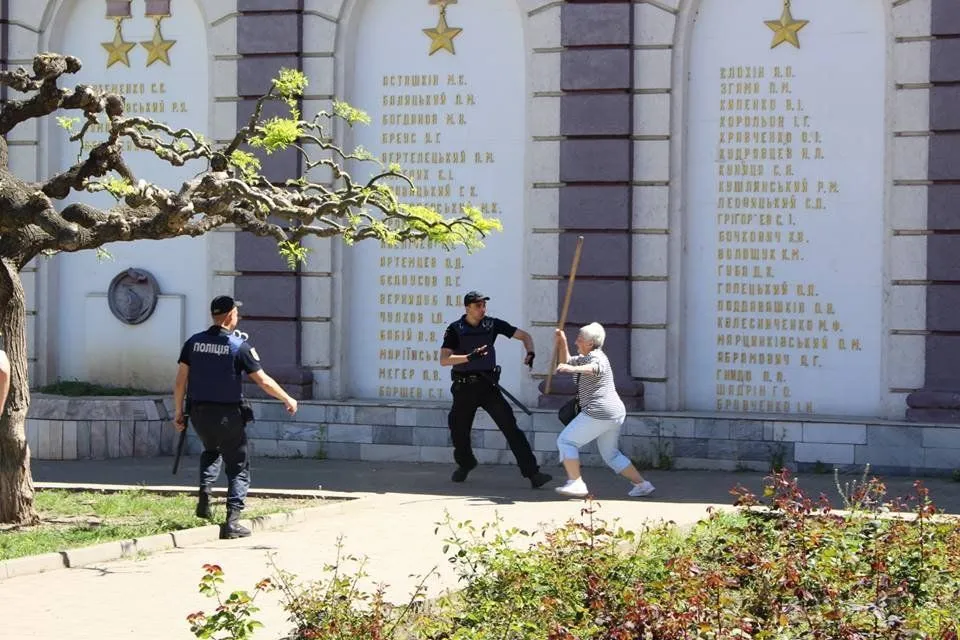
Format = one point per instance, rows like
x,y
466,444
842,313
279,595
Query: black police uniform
x,y
474,386
218,359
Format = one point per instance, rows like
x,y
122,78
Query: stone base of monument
x,y
61,428
934,406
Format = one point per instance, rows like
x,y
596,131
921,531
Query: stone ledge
x,y
417,432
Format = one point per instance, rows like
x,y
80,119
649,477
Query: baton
x,y
180,443
505,392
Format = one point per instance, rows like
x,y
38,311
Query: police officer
x,y
468,348
212,364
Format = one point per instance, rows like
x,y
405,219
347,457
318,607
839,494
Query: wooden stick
x,y
563,312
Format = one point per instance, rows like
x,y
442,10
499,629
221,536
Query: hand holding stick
x,y
566,307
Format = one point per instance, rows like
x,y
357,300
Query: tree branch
x,y
30,223
47,69
103,159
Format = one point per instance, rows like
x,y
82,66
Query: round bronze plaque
x,y
133,295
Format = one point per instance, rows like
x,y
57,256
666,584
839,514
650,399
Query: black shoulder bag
x,y
571,408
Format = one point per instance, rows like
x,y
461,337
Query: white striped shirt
x,y
597,393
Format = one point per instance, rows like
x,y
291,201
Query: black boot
x,y
460,473
539,479
231,528
203,505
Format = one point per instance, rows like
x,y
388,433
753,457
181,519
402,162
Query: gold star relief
x,y
118,50
442,36
158,49
785,29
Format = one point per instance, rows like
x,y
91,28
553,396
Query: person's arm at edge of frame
x,y
4,379
270,385
179,392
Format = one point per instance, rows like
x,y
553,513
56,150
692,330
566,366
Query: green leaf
x,y
290,84
67,122
277,134
118,187
247,163
350,114
294,253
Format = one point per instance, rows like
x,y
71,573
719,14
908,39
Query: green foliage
x,y
248,164
350,114
232,618
277,134
425,219
782,570
118,187
294,253
290,84
859,495
67,123
362,154
353,208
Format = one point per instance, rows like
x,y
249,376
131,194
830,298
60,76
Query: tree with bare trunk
x,y
36,219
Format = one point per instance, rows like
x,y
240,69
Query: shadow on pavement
x,y
488,483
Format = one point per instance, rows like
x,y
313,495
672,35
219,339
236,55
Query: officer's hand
x,y
529,359
479,352
178,422
291,405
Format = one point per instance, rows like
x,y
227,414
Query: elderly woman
x,y
601,413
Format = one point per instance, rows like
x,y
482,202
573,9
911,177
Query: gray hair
x,y
594,333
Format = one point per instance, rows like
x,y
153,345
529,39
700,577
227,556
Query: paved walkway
x,y
391,522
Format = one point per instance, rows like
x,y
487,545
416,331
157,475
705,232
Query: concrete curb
x,y
120,549
180,489
31,564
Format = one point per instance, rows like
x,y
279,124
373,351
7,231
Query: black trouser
x,y
222,430
475,393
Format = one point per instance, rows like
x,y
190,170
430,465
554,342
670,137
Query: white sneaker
x,y
574,488
645,488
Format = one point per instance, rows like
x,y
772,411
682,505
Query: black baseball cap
x,y
223,304
474,296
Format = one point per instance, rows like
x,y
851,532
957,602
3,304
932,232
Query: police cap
x,y
474,296
223,304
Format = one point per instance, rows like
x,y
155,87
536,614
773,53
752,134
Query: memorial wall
x,y
444,84
154,53
783,260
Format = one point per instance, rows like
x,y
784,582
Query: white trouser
x,y
583,429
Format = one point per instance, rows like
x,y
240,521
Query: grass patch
x,y
76,388
71,519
